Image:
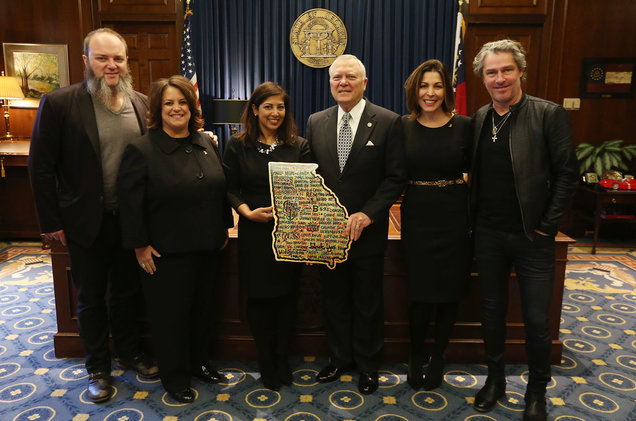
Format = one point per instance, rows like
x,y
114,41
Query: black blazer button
x,y
200,175
188,149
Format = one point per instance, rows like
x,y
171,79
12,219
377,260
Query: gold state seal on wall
x,y
317,37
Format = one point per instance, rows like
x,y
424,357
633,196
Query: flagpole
x,y
188,66
457,30
459,68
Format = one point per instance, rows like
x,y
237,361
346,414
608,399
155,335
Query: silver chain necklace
x,y
497,128
267,150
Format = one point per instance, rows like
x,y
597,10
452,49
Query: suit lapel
x,y
479,124
331,127
366,126
140,111
88,118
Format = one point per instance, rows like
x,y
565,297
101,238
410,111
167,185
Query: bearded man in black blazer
x,y
359,149
78,139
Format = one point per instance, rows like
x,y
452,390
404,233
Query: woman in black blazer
x,y
270,287
174,213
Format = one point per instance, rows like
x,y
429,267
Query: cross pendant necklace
x,y
497,128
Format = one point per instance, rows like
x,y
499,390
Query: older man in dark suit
x,y
78,139
360,153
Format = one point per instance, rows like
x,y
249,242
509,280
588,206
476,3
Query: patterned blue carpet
x,y
596,379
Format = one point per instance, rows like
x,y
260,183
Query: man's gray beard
x,y
98,88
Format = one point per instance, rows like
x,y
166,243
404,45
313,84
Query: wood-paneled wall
x,y
557,35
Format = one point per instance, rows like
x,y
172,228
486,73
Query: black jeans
x,y
497,252
105,268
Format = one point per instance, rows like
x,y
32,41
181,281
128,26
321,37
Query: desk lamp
x,y
9,89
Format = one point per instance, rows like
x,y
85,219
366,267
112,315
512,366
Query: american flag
x,y
188,67
459,73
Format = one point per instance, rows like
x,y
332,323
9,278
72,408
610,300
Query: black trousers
x,y
179,301
100,270
497,252
272,322
354,308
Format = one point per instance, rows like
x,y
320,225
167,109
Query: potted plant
x,y
610,154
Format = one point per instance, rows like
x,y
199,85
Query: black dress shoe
x,y
368,383
434,374
99,387
331,373
184,396
142,365
535,408
415,375
208,374
487,397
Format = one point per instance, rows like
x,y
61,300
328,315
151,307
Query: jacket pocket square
x,y
369,143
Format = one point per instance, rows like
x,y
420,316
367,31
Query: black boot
x,y
535,407
419,317
487,397
434,373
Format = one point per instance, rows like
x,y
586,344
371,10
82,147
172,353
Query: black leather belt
x,y
437,183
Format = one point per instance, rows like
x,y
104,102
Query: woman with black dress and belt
x,y
174,213
435,220
269,135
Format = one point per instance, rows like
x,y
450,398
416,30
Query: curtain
x,y
239,44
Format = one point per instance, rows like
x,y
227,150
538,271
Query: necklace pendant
x,y
494,137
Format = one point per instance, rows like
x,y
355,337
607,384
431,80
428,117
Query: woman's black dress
x,y
260,275
435,220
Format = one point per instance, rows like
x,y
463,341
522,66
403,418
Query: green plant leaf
x,y
614,142
584,153
589,161
616,159
607,162
598,166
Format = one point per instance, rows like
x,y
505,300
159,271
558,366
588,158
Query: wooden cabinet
x,y
17,210
508,7
137,6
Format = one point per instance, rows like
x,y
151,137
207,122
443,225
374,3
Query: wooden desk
x,y
595,199
232,339
17,210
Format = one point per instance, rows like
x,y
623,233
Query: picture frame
x,y
607,77
39,68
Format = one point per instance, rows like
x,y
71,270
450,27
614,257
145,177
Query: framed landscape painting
x,y
39,68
